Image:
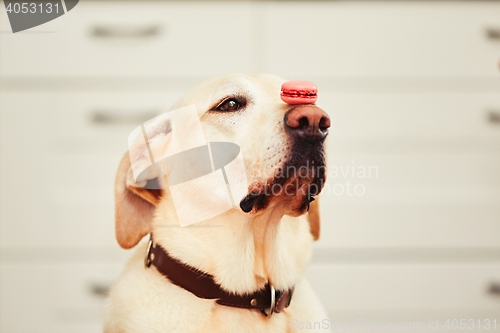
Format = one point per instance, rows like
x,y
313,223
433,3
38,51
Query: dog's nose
x,y
308,122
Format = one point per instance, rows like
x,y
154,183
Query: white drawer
x,y
413,115
59,162
405,286
50,298
409,225
412,171
61,298
382,38
133,38
411,200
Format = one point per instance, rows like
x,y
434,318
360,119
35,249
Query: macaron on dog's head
x,y
299,92
281,139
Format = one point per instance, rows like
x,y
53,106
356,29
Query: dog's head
x,y
282,147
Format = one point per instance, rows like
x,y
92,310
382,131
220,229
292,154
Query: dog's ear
x,y
314,219
134,206
142,173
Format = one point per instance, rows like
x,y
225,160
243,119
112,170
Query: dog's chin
x,y
294,184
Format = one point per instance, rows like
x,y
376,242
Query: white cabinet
x,y
403,287
400,297
412,88
60,153
142,38
425,116
51,298
417,170
382,38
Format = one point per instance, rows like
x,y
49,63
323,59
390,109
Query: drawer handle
x,y
493,33
494,117
494,289
108,117
99,289
124,31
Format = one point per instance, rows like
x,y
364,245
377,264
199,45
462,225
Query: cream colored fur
x,y
243,251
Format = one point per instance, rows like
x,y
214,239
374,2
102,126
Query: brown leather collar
x,y
267,300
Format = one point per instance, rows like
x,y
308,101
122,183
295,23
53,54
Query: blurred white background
x,y
413,90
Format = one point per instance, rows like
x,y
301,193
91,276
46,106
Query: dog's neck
x,y
242,251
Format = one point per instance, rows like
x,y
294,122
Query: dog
x,y
253,254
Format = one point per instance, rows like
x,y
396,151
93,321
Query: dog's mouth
x,y
295,183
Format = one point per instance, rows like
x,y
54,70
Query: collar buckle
x,y
268,312
147,258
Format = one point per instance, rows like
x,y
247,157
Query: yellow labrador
x,y
240,271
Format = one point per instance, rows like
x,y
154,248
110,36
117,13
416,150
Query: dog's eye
x,y
231,104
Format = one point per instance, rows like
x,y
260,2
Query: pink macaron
x,y
299,92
